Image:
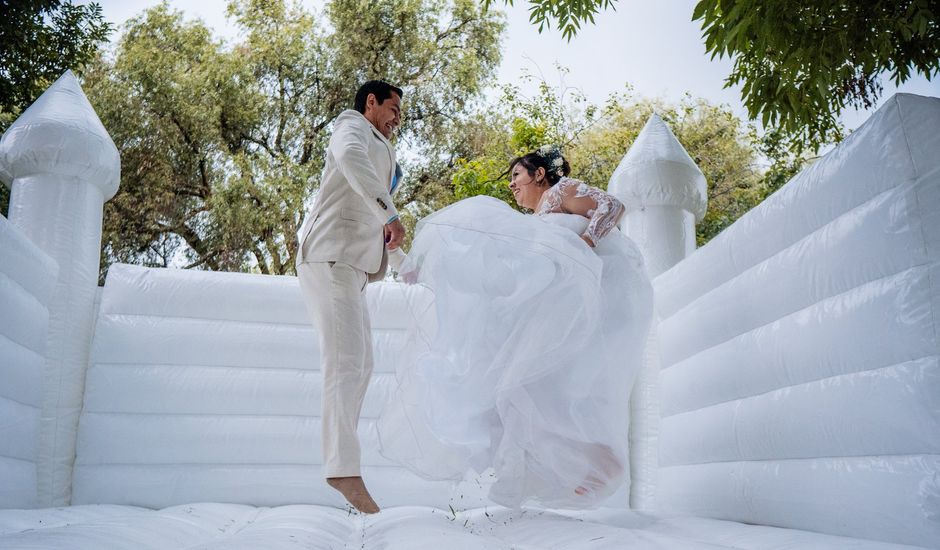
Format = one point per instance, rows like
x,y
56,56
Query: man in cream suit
x,y
349,237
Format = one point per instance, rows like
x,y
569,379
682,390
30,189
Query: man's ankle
x,y
355,492
342,479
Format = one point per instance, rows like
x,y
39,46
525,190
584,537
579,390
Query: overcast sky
x,y
653,46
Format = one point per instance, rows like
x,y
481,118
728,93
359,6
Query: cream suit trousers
x,y
335,294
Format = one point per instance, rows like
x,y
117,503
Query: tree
x,y
800,64
595,138
783,161
221,145
41,40
518,125
567,15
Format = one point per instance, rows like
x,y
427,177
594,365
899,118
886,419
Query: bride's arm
x,y
603,209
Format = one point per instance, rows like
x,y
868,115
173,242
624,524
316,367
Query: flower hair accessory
x,y
552,155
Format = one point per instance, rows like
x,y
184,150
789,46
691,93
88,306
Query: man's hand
x,y
394,234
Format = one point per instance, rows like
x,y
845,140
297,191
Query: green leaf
x,y
700,8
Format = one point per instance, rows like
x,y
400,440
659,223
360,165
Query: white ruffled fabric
x,y
521,355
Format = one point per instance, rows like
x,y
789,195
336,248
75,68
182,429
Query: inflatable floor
x,y
237,527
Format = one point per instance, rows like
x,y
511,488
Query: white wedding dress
x,y
521,354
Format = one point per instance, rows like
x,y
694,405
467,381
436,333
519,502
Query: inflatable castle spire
x,y
61,166
665,195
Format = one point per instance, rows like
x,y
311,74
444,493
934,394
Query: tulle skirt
x,y
521,354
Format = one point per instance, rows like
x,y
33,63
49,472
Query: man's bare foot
x,y
355,492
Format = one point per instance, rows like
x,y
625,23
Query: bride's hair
x,y
548,157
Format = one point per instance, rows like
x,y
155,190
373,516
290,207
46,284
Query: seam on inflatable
x,y
307,325
795,459
813,381
260,368
96,309
128,364
920,211
13,458
18,402
907,141
931,288
24,346
214,465
924,265
246,525
199,414
357,535
25,250
27,291
178,414
55,365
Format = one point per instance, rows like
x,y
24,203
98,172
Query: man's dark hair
x,y
382,90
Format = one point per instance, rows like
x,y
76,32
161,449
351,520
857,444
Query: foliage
x,y
517,125
595,138
222,144
801,63
567,15
784,162
41,40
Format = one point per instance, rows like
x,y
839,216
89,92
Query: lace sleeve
x,y
604,215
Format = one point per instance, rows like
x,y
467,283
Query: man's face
x,y
385,116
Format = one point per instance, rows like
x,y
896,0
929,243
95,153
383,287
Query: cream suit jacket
x,y
347,219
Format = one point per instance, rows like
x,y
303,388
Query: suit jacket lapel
x,y
391,152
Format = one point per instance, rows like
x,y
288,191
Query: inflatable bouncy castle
x,y
789,396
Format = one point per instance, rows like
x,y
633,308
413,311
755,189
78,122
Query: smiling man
x,y
348,239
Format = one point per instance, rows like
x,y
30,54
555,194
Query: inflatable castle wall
x,y
792,379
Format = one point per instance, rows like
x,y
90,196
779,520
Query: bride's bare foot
x,y
606,464
355,492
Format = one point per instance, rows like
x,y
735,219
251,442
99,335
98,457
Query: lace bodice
x,y
603,217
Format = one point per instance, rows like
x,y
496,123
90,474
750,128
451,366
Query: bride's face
x,y
525,188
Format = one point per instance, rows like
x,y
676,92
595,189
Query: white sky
x,y
653,46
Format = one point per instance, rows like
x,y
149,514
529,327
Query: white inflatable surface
x,y
206,387
801,369
236,527
61,165
665,194
27,278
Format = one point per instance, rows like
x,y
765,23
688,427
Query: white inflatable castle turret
x,y
61,166
665,195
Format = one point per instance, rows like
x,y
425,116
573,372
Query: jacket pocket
x,y
357,216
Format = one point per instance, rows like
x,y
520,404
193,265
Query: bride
x,y
524,347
